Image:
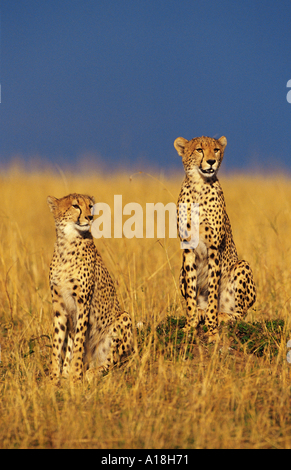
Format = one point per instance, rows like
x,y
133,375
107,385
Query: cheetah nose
x,y
89,217
211,162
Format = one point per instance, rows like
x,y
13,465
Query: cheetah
x,y
91,333
216,285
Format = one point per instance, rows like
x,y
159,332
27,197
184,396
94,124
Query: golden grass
x,y
215,400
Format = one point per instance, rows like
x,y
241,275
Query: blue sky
x,y
116,81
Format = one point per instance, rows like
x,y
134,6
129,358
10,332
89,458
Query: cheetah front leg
x,y
68,348
214,273
76,369
182,281
59,335
188,285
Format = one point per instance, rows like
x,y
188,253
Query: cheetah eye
x,y
216,150
76,206
199,150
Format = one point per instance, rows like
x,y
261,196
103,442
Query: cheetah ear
x,y
223,141
52,202
179,145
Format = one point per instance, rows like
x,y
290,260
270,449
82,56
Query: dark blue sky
x,y
119,80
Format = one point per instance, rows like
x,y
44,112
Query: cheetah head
x,y
202,155
72,213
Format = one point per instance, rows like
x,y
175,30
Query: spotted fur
x,y
217,285
90,330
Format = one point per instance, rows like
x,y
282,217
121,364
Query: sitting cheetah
x,y
90,330
216,285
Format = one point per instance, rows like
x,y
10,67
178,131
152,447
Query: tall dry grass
x,y
157,399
